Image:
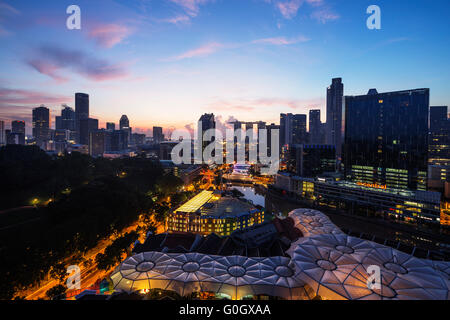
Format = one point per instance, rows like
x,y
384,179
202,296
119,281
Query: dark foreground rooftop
x,y
265,240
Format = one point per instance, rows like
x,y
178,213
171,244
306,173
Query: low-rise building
x,y
210,212
408,205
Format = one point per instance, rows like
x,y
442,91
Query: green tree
x,y
57,292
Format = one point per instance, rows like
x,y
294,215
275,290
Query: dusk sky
x,y
166,62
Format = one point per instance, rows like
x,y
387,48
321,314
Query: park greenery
x,y
67,204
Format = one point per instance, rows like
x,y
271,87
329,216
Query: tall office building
x,y
81,106
18,128
311,160
2,133
118,141
298,129
316,133
41,125
81,112
67,119
97,143
207,121
86,127
110,126
439,147
333,133
386,138
292,129
124,125
158,136
138,139
271,128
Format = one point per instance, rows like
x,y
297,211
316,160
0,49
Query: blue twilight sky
x,y
165,62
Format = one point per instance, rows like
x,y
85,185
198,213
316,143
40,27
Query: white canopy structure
x,y
234,277
325,263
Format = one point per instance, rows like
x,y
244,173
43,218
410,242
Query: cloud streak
x,y
281,41
109,35
6,12
20,96
251,105
321,12
201,51
180,19
324,15
289,9
53,61
17,104
191,7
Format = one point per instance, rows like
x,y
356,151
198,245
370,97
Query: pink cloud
x,y
52,61
180,19
7,13
251,105
20,96
279,41
202,51
17,104
324,15
191,7
47,68
109,35
289,8
6,8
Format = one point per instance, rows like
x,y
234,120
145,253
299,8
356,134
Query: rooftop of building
x,y
265,240
215,204
374,92
325,263
415,194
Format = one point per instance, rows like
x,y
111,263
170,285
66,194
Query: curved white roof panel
x,y
325,262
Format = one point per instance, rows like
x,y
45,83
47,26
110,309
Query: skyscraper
x,y
439,148
207,121
18,128
311,160
67,120
86,127
118,141
334,133
81,106
386,138
292,129
316,134
124,125
298,129
270,128
81,111
158,136
2,133
41,125
110,126
97,143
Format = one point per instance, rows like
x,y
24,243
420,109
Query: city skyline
x,y
285,53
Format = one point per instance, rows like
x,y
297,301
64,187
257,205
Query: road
x,y
89,275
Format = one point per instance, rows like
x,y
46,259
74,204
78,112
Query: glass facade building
x,y
335,94
311,160
41,124
386,138
439,147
